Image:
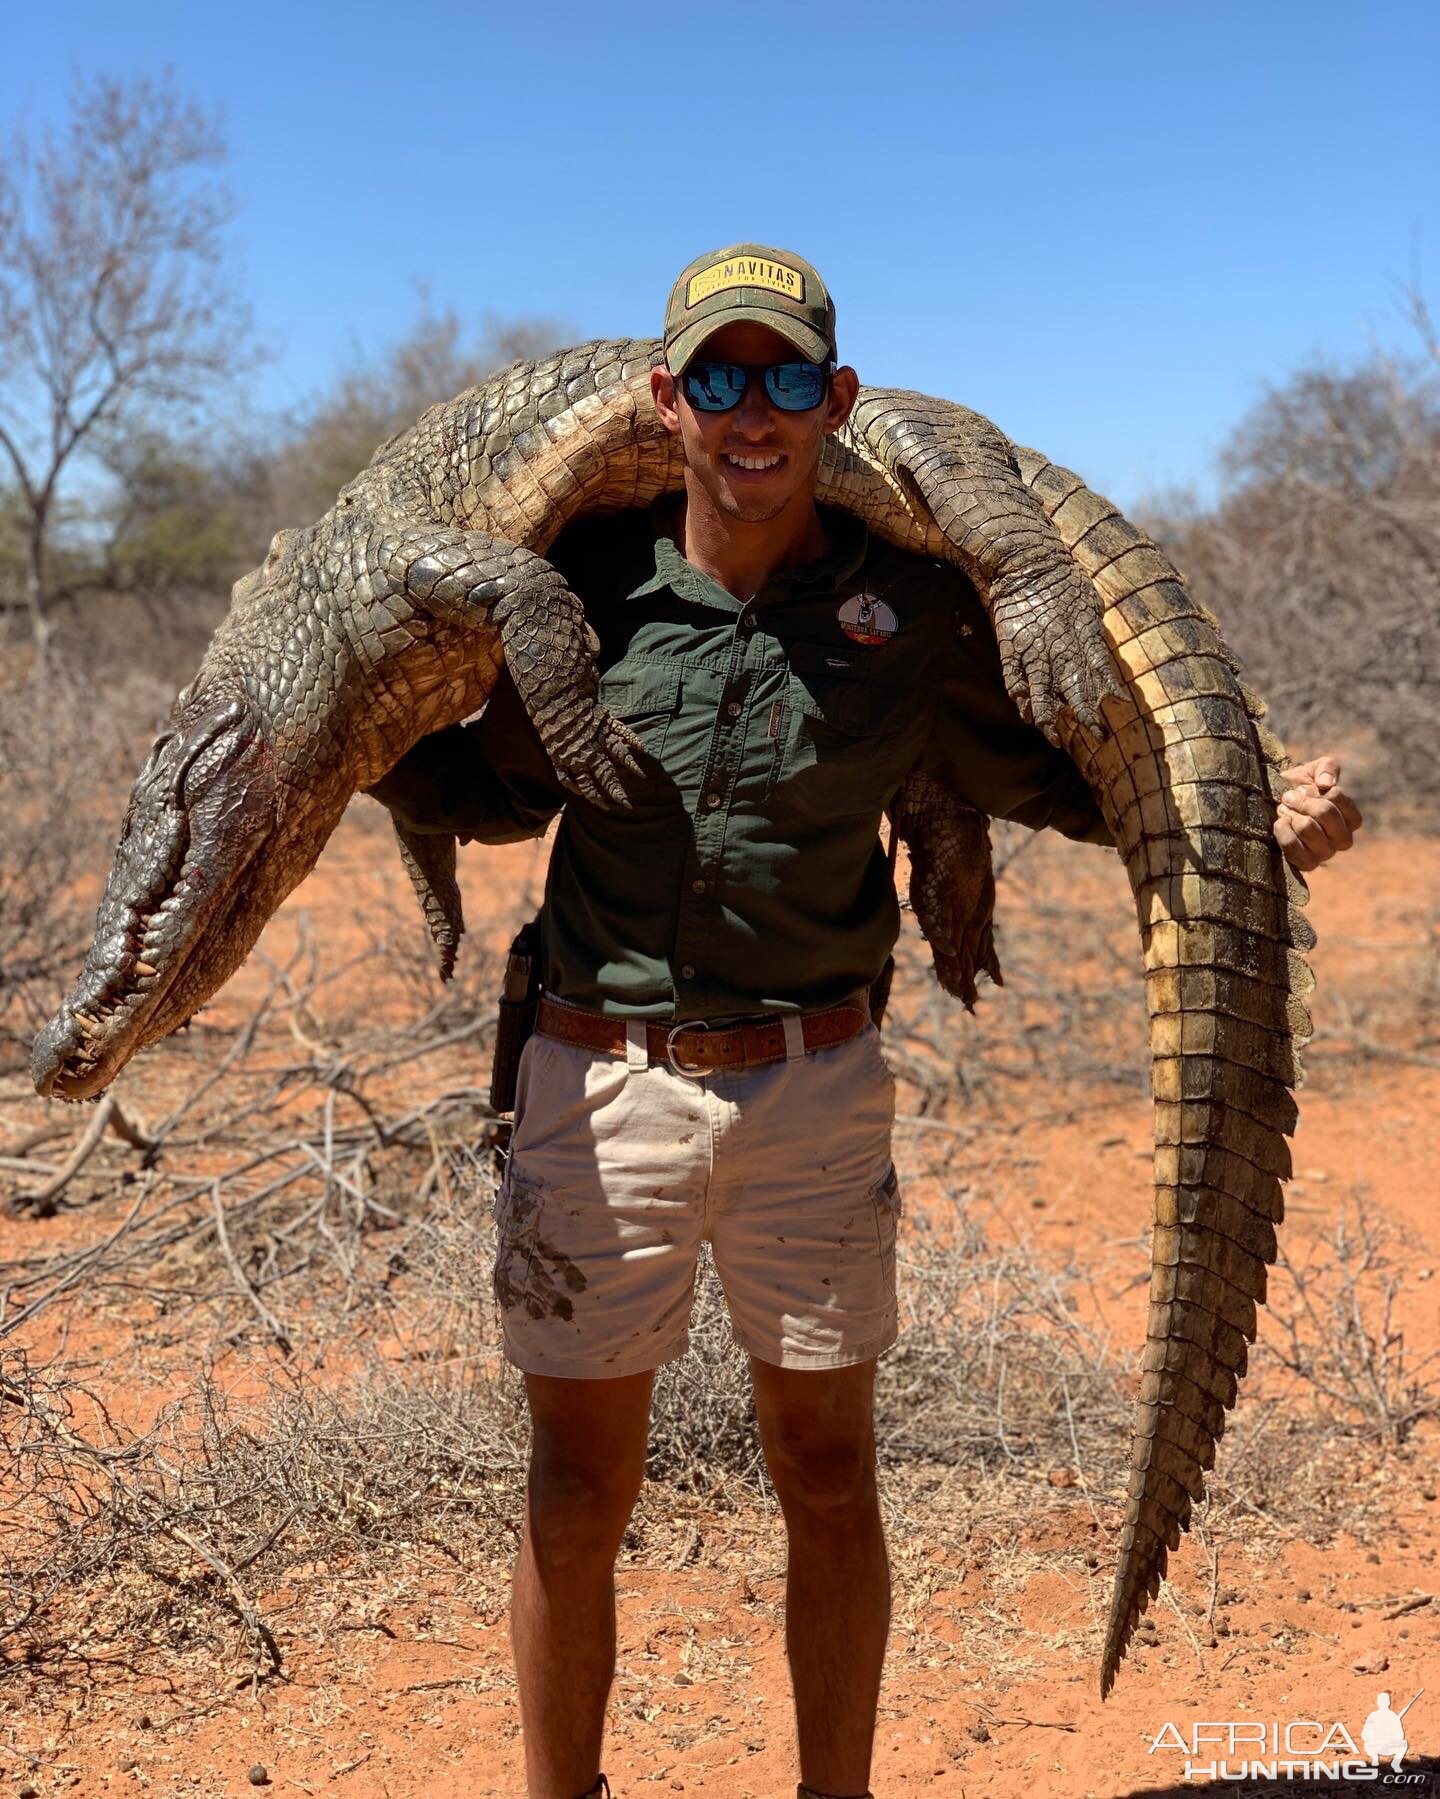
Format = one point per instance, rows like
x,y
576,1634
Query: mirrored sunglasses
x,y
720,386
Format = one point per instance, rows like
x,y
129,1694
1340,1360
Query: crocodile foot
x,y
601,760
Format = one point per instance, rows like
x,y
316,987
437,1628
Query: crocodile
x,y
388,620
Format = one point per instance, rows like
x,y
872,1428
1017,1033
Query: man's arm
x,y
981,749
490,782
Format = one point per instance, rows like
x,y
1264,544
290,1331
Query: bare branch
x,y
113,299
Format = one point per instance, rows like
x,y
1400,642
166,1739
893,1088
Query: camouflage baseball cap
x,y
749,281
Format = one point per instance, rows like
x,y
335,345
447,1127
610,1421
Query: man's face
x,y
754,460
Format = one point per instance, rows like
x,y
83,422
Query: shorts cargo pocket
x,y
531,1273
517,1225
885,1197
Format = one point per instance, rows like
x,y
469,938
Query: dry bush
x,y
704,1436
1334,1329
64,767
1323,563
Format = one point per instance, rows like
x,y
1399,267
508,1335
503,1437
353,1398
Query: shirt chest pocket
x,y
845,742
645,698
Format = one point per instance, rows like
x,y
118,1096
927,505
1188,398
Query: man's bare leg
x,y
818,1433
587,1460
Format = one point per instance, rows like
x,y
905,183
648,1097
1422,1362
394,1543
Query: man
x,y
704,1064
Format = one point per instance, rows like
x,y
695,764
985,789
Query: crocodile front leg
x,y
473,579
430,863
952,882
955,467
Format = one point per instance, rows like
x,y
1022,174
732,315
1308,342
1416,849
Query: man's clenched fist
x,y
1317,817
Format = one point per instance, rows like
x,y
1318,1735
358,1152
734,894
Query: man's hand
x,y
1317,818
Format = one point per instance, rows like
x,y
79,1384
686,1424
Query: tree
x,y
328,444
113,303
1323,562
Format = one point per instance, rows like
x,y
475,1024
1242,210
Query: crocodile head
x,y
184,900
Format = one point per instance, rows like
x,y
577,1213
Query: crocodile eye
x,y
155,749
215,745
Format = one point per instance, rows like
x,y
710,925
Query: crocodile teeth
x,y
86,1023
143,968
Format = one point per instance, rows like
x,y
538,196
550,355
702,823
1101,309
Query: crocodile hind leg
x,y
952,882
470,578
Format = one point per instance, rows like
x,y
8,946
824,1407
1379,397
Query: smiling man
x,y
704,1066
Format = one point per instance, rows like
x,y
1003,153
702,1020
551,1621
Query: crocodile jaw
x,y
184,900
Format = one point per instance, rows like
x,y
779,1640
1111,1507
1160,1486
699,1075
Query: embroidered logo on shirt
x,y
866,619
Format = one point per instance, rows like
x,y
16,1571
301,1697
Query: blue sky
x,y
1106,225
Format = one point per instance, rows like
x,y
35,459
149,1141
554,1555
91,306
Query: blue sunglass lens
x,y
719,386
795,386
714,386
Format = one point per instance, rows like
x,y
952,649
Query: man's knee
x,y
819,1438
569,1478
823,1479
587,1460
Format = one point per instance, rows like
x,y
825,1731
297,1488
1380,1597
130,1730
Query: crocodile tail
x,y
1188,780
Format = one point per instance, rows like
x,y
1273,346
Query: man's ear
x,y
662,392
844,389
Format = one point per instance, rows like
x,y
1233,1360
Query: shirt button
x,y
733,709
697,886
687,971
747,623
712,799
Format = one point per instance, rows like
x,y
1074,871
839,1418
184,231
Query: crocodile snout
x,y
201,807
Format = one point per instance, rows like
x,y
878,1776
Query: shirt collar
x,y
849,545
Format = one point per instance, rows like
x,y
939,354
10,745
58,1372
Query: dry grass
x,y
398,1431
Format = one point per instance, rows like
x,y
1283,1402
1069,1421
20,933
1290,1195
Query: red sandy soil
x,y
406,1688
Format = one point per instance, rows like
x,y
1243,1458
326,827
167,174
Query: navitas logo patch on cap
x,y
753,283
745,271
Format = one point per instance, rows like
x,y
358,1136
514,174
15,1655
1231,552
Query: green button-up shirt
x,y
748,876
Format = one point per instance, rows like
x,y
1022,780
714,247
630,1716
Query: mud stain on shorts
x,y
547,1289
546,1276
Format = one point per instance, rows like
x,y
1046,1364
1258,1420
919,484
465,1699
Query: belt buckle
x,y
697,1024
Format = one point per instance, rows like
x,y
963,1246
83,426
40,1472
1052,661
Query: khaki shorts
x,y
617,1173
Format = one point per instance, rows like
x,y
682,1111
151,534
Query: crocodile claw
x,y
958,965
604,763
1057,660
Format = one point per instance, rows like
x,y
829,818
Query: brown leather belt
x,y
695,1047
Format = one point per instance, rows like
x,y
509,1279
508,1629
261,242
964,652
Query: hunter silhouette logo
x,y
1384,1734
1303,1748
